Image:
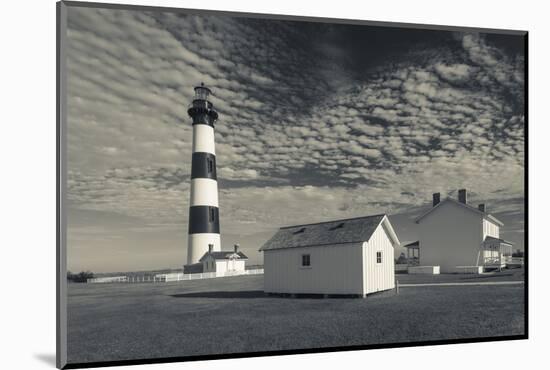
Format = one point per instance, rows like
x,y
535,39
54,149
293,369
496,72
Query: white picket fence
x,y
109,279
205,275
177,276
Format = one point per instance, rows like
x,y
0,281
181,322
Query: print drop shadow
x,y
47,358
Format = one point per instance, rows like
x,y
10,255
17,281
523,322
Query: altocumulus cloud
x,y
316,122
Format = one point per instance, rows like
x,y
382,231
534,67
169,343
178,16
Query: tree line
x,y
81,277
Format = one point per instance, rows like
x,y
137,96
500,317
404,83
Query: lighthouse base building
x,y
223,263
193,268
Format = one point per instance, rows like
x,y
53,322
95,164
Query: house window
x,y
306,260
378,257
212,215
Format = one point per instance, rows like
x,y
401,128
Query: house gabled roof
x,y
337,232
498,240
224,255
467,206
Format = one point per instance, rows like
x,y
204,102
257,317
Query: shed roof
x,y
224,255
351,230
467,206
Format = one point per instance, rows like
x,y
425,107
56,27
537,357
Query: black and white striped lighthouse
x,y
204,224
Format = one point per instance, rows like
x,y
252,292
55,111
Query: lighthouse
x,y
204,224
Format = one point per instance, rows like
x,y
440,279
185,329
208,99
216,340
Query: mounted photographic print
x,y
235,185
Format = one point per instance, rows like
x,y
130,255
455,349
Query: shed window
x,y
306,260
378,257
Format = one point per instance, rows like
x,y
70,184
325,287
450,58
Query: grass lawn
x,y
110,322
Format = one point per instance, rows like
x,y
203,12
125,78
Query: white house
x,y
452,233
224,262
353,256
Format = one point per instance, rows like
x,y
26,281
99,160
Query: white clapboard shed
x,y
352,256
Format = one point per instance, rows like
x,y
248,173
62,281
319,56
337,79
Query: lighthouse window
x,y
210,165
212,214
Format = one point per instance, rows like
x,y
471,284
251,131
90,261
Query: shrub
x,y
81,277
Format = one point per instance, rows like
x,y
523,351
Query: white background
x,y
27,231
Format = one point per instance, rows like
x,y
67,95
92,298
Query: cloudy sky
x,y
317,122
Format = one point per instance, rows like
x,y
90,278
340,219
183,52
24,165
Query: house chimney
x,y
436,199
236,248
462,196
210,248
481,207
